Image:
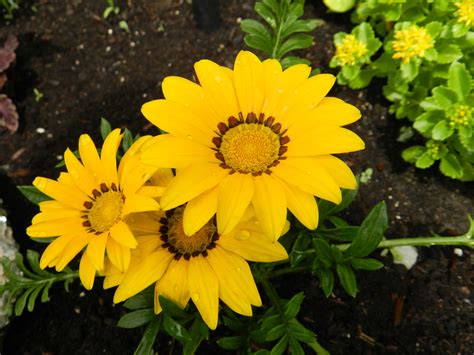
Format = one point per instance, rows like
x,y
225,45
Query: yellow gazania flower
x,y
350,50
255,135
89,204
465,12
203,267
412,42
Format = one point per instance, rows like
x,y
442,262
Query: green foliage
x,y
339,5
284,31
9,6
429,83
111,9
26,284
33,194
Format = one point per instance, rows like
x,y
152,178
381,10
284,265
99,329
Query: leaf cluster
x,y
426,89
8,112
26,284
9,6
283,31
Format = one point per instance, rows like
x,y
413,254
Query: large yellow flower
x,y
88,208
255,135
203,267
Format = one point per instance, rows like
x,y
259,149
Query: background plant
x,y
8,113
427,61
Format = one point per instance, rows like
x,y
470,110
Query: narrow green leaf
x,y
298,41
198,332
323,252
127,140
268,10
280,347
257,42
105,128
298,251
366,264
170,308
33,296
136,318
231,343
295,347
300,332
293,306
326,278
45,293
347,278
175,329
143,299
33,194
148,339
21,301
253,27
300,26
33,260
275,333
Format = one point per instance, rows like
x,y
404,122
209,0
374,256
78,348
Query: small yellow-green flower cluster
x,y
460,115
412,42
465,12
433,148
350,50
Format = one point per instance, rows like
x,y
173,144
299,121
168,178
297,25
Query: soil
x,y
87,67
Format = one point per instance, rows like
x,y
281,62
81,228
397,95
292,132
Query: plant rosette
x,y
353,52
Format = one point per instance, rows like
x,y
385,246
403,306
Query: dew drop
x,y
74,174
218,78
195,296
242,234
189,136
238,269
280,91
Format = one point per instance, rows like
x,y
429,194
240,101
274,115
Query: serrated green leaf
x,y
293,306
450,166
409,70
444,96
231,343
33,194
300,26
448,53
347,278
424,161
434,28
459,80
326,278
148,339
366,264
175,329
442,130
425,122
370,232
258,42
412,154
275,333
105,128
136,318
298,41
466,138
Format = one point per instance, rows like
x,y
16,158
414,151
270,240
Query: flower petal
x,y
87,272
54,250
123,235
71,197
249,84
303,205
83,179
141,275
139,203
109,157
54,228
191,182
162,177
236,284
199,211
118,254
96,250
340,172
74,246
55,214
204,289
235,193
270,205
174,283
90,157
167,151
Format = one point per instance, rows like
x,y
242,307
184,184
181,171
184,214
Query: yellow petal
x,y
191,182
174,283
324,140
218,88
55,214
131,155
178,120
139,203
162,177
143,274
235,193
81,176
109,157
118,254
74,246
199,211
249,82
340,172
270,205
151,191
257,247
169,151
302,205
54,250
96,250
69,196
236,284
122,234
204,289
54,228
144,222
310,177
90,157
86,272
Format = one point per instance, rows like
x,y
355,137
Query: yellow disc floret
x,y
412,42
350,50
106,210
250,148
465,12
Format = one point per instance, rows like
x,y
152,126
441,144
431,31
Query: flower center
x,y
104,209
178,243
253,145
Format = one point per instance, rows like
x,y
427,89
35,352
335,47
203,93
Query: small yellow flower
x,y
255,135
88,207
433,148
465,12
460,115
350,50
204,267
412,42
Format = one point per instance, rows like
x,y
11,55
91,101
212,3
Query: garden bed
x,y
87,68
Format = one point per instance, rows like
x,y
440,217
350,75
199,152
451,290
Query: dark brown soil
x,y
88,68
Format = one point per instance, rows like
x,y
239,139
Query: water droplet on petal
x,y
242,234
195,296
280,91
189,136
74,174
218,78
238,269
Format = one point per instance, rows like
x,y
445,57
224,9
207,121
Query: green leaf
x,y
448,53
299,249
143,299
347,278
275,333
255,28
300,26
295,347
328,208
175,330
20,303
459,80
323,252
198,332
231,343
258,42
293,306
366,264
148,339
370,232
33,194
298,41
170,308
326,278
444,96
136,318
127,140
339,5
105,128
291,60
424,161
425,122
409,70
412,154
450,166
280,347
350,72
434,28
442,130
465,137
32,298
298,331
264,9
